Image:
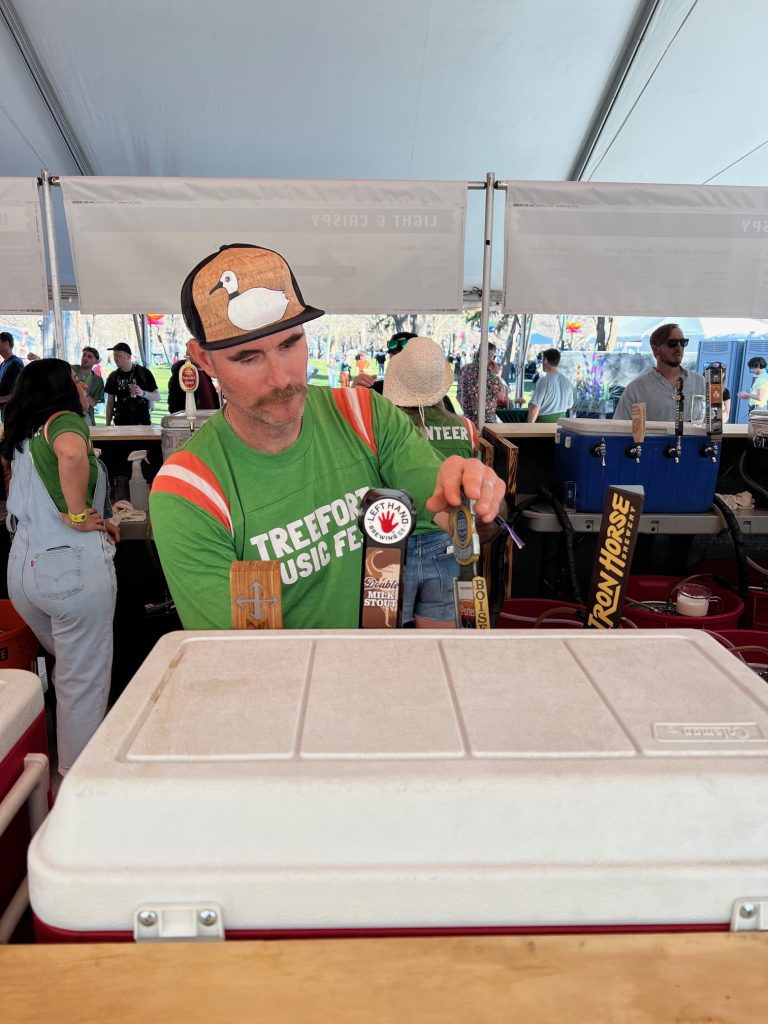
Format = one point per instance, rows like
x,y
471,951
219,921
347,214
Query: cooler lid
x,y
21,701
255,764
603,428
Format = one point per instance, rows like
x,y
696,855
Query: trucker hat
x,y
242,293
419,375
120,347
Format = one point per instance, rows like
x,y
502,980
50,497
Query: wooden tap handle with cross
x,y
256,593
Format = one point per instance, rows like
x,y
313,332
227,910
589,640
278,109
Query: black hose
x,y
568,535
740,548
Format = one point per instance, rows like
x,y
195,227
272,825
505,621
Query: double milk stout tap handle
x,y
713,381
634,450
470,589
386,520
674,451
188,381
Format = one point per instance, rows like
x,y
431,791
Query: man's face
x,y
122,360
666,356
264,381
5,349
88,360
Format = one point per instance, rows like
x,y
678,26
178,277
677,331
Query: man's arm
x,y
196,552
534,406
624,408
110,409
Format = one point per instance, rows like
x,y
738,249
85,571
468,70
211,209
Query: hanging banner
x,y
585,247
353,246
23,287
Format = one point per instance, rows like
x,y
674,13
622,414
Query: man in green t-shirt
x,y
279,473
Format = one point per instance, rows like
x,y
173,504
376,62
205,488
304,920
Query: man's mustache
x,y
281,395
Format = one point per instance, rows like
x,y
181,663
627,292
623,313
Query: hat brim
x,y
308,313
400,394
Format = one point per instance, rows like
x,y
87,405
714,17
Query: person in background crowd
x,y
332,366
279,473
657,386
361,363
381,358
467,392
129,389
94,385
61,577
395,344
206,396
344,371
417,380
552,394
9,371
758,393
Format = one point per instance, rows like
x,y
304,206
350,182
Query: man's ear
x,y
198,355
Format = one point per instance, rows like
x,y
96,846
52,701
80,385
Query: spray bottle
x,y
138,486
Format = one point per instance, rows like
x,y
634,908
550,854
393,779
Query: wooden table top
x,y
574,979
133,433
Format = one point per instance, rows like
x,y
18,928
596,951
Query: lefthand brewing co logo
x,y
387,521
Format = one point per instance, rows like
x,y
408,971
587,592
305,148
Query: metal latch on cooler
x,y
750,915
168,922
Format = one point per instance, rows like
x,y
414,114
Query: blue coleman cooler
x,y
590,455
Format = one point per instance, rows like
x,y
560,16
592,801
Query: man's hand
x,y
363,380
476,480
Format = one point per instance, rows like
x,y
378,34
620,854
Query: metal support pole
x,y
53,263
482,378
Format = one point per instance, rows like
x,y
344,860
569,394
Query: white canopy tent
x,y
622,90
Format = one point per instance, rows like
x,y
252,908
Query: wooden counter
x,y
140,433
575,979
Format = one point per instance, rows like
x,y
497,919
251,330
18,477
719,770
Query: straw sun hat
x,y
420,375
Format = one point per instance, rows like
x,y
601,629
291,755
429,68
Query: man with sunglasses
x,y
657,386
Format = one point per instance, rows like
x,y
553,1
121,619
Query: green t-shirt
x,y
47,464
218,501
447,432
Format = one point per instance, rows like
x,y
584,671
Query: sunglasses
x,y
676,342
396,346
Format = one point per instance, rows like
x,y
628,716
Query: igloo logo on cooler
x,y
387,521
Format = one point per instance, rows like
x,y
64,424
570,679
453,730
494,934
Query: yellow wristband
x,y
78,517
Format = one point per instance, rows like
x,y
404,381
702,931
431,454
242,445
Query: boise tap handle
x,y
470,589
387,519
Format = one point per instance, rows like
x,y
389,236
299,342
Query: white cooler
x,y
307,782
23,774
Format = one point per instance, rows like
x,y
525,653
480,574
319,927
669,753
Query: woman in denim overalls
x,y
61,577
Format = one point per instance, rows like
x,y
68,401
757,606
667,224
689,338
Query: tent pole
x,y
482,379
50,237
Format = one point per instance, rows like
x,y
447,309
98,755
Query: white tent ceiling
x,y
623,90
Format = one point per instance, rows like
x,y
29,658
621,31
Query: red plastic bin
x,y
524,613
19,646
756,605
747,638
659,588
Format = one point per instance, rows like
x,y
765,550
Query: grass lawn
x,y
162,375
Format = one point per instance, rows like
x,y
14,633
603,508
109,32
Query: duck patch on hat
x,y
253,308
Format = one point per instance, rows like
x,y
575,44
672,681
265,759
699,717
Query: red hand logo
x,y
387,522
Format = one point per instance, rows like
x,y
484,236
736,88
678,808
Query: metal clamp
x,y
168,922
